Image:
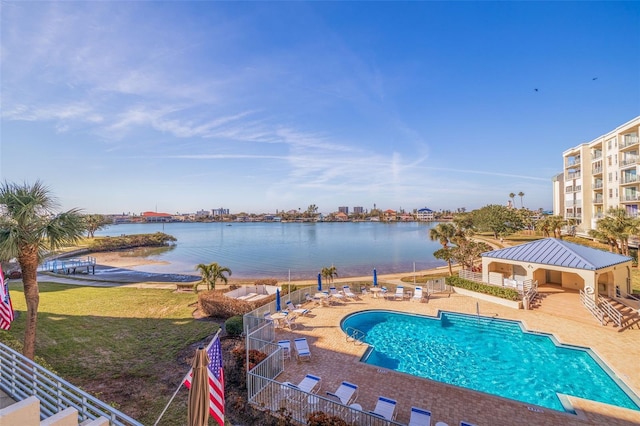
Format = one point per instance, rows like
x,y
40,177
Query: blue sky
x,y
265,106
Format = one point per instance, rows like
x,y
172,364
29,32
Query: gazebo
x,y
558,262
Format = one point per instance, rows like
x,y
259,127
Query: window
x,y
610,176
609,160
610,193
616,192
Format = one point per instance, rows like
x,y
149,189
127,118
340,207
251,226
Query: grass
x,y
122,345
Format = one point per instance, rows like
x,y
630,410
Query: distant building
x,y
344,210
358,210
425,215
155,217
341,216
390,215
219,212
202,213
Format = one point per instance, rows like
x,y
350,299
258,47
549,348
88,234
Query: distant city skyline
x,y
265,106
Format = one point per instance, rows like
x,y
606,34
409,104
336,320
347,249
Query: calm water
x,y
488,355
259,250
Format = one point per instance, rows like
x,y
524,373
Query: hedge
x,y
501,292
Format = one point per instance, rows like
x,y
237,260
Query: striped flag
x,y
216,380
6,308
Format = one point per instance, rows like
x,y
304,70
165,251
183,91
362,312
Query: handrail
x,y
20,378
355,335
610,310
592,307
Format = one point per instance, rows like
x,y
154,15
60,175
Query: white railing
x,y
610,311
68,266
278,398
21,378
592,307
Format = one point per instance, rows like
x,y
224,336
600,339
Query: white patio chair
x,y
417,294
419,417
346,393
302,348
346,290
385,407
286,348
297,310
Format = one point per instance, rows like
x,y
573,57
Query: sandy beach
x,y
117,263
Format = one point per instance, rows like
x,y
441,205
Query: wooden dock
x,y
68,266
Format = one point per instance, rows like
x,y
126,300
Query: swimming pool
x,y
489,355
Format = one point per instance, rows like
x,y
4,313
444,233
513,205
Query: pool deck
x,y
560,313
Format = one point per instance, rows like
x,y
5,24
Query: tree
x,y
312,211
328,273
521,194
444,233
615,229
29,228
211,273
94,222
499,220
512,196
446,254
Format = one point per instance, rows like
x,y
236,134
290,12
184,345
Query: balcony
x,y
596,155
597,185
573,203
573,215
629,161
575,175
598,215
596,170
598,200
627,179
572,161
628,140
576,188
629,198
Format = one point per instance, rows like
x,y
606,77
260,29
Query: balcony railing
x,y
629,179
598,200
573,175
575,188
572,162
629,161
572,203
573,215
597,185
630,197
628,140
21,378
596,155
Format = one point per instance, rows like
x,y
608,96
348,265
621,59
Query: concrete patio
x,y
560,313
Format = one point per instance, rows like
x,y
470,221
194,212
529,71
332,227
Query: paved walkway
x,y
334,360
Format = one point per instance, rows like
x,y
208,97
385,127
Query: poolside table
x,y
375,291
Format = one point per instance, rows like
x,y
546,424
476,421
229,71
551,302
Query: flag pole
x,y
182,381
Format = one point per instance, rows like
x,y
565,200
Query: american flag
x,y
6,308
216,380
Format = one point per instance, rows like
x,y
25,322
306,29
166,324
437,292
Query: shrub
x,y
319,418
158,239
267,281
501,292
213,303
233,326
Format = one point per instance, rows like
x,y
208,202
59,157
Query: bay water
x,y
275,250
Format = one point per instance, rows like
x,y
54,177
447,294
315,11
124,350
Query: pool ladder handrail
x,y
355,335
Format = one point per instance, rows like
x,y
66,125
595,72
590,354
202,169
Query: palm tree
x,y
443,232
211,273
512,196
521,194
329,273
29,228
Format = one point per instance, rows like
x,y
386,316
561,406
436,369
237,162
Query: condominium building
x,y
598,175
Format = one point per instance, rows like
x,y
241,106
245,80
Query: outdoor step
x,y
66,417
25,412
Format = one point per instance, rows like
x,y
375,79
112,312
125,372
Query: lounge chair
x,y
334,293
302,348
297,310
290,321
309,384
346,290
346,393
286,348
267,316
399,294
417,294
419,417
385,407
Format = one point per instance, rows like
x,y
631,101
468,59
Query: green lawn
x,y
120,344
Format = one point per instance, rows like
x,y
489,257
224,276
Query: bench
x,y
184,286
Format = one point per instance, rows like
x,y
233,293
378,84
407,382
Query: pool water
x,y
488,355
